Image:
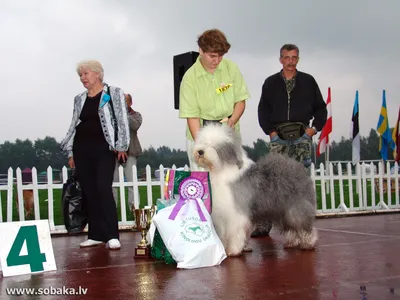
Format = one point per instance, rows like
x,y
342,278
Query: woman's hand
x,y
122,156
231,123
71,163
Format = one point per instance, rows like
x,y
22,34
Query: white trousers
x,y
129,178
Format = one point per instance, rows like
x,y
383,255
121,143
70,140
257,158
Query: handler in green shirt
x,y
212,89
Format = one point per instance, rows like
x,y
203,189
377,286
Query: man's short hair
x,y
289,47
128,96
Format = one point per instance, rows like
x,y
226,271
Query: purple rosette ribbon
x,y
189,189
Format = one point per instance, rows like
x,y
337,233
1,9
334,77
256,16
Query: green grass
x,y
346,196
58,218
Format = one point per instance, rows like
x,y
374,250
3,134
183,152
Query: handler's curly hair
x,y
214,41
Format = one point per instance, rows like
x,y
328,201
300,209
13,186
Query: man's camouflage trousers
x,y
299,149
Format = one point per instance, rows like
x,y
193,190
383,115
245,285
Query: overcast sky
x,y
347,45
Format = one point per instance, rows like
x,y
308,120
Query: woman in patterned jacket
x,y
99,132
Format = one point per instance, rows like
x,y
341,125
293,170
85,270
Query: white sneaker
x,y
113,244
90,243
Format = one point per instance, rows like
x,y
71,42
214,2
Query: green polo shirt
x,y
211,96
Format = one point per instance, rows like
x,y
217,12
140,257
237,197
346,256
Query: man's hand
x,y
272,134
311,131
71,163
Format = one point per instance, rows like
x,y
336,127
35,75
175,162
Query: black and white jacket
x,y
106,119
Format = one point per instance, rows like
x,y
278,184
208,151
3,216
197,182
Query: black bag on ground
x,y
74,205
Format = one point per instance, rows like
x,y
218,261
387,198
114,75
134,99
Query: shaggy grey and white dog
x,y
245,193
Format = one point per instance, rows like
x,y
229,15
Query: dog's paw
x,y
247,249
290,245
307,247
234,254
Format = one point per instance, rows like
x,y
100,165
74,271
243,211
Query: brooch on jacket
x,y
224,87
105,99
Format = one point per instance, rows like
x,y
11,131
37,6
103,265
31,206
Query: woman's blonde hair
x,y
93,65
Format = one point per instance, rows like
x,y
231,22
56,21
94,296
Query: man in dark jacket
x,y
290,99
134,151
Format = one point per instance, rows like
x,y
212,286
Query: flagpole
x,y
355,137
327,166
396,139
327,152
383,129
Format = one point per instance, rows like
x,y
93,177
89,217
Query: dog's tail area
x,y
299,223
300,216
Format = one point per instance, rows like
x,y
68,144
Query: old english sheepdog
x,y
246,193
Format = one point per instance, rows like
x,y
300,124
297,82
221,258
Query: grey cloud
x,y
347,45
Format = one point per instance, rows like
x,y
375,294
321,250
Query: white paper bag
x,y
152,231
189,235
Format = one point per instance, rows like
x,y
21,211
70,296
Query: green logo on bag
x,y
195,231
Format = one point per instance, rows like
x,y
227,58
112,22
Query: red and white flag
x,y
324,137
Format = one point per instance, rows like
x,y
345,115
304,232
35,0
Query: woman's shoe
x,y
113,244
90,243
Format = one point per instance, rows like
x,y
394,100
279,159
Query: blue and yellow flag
x,y
384,130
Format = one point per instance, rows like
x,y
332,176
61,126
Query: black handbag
x,y
290,131
74,205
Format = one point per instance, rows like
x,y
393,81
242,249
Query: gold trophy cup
x,y
143,217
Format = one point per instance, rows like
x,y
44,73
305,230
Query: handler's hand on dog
x,y
71,163
122,156
230,123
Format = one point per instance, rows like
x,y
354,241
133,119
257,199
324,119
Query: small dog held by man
x,y
246,193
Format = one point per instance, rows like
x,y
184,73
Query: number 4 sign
x,y
25,247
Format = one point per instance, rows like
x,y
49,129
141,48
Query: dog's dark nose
x,y
200,152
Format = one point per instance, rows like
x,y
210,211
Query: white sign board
x,y
25,248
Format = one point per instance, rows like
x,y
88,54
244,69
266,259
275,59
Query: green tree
x,y
370,146
48,153
18,154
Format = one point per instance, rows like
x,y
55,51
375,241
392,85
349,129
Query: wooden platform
x,y
357,258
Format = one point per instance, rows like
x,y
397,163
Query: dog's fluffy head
x,y
217,146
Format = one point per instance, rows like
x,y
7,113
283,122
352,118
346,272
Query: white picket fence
x,y
353,190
